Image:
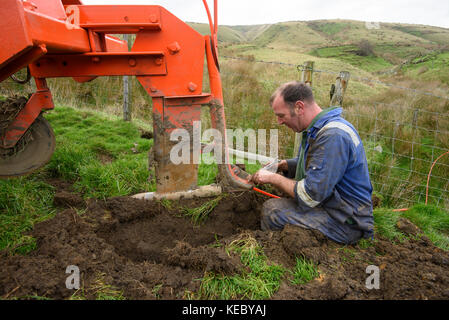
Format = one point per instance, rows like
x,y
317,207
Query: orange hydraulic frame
x,y
64,38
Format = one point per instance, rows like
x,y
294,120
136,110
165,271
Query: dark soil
x,y
65,196
9,109
146,134
151,252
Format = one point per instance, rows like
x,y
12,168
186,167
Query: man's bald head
x,y
294,105
292,92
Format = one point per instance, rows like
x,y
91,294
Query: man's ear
x,y
299,106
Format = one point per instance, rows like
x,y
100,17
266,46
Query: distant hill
x,y
399,40
225,33
353,42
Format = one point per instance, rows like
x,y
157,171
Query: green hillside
x,y
251,32
225,33
433,34
412,50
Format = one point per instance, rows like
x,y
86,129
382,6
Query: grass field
x,y
347,54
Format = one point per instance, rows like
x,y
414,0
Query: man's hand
x,y
262,177
279,181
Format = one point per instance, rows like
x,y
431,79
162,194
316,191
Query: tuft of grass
x,y
68,160
100,290
259,281
155,291
385,221
167,204
347,254
366,243
433,221
217,243
199,215
304,271
428,217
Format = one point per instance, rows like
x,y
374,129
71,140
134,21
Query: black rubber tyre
x,y
36,154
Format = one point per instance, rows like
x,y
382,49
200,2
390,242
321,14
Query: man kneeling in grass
x,y
328,182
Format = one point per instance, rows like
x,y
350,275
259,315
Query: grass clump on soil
x,y
260,280
199,215
385,221
433,222
304,271
365,243
99,290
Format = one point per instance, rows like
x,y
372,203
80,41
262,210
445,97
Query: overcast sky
x,y
245,12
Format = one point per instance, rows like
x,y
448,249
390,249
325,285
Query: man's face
x,y
288,117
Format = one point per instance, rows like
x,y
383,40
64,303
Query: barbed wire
x,y
417,195
300,67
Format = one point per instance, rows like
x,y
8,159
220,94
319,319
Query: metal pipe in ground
x,y
243,154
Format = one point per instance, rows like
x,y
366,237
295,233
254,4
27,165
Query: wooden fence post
x,y
306,77
339,88
307,73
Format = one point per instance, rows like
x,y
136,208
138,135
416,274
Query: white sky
x,y
247,12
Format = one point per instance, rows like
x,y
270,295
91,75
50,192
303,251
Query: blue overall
x,y
333,194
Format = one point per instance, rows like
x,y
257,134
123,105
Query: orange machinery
x,y
64,38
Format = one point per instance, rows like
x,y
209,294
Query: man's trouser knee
x,y
276,213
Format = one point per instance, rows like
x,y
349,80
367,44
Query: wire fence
x,y
301,67
401,141
400,153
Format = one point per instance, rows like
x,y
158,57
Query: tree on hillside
x,y
365,48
